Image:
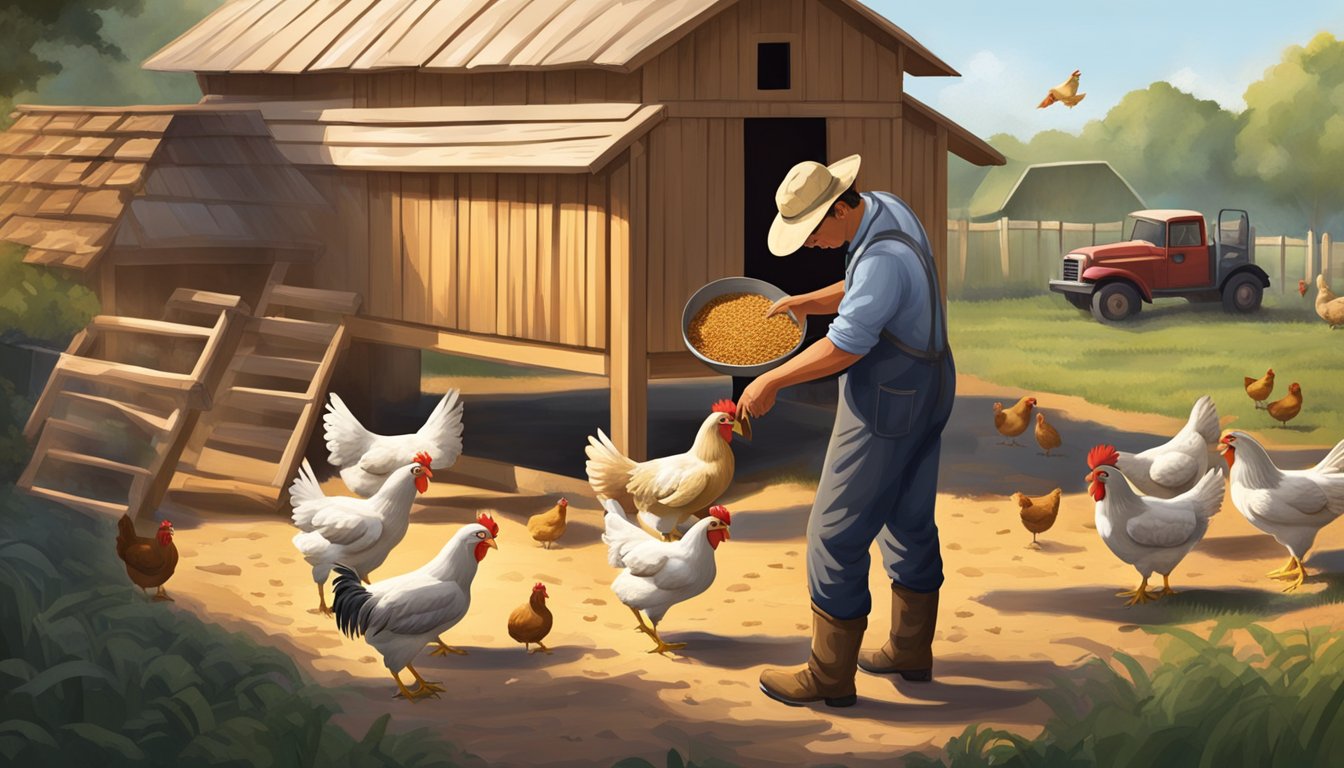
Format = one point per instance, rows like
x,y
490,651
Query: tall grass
x,y
92,674
1161,361
1207,703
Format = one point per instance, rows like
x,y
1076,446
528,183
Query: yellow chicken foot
x,y
432,686
1299,576
1166,589
161,595
322,602
540,647
642,626
1139,594
444,649
1287,571
662,648
408,694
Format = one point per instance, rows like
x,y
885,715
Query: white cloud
x,y
1225,88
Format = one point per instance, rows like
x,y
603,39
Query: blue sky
x,y
1010,56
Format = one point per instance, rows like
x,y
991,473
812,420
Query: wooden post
x,y
629,336
1283,264
1309,259
964,246
1004,263
1059,236
1327,254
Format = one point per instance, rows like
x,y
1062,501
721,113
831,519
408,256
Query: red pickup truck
x,y
1168,255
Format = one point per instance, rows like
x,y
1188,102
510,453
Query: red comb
x,y
166,524
489,523
538,587
1102,455
423,459
722,513
725,406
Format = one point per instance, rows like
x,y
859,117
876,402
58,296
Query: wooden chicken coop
x,y
528,181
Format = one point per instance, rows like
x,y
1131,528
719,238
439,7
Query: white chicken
x,y
657,575
1292,505
1153,535
357,532
400,615
1175,466
366,459
667,491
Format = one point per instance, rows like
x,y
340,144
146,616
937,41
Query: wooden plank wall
x,y
422,89
717,62
523,256
695,217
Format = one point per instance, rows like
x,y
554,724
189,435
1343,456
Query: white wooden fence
x,y
1018,258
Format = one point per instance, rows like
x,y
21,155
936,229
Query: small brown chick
x,y
1038,514
531,622
1286,410
549,526
1046,436
1259,389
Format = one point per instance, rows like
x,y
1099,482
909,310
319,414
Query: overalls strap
x,y
934,351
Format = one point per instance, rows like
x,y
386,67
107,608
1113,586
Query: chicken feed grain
x,y
733,329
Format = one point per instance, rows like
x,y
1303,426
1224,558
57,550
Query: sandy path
x,y
1011,617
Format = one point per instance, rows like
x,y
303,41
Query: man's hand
x,y
797,304
759,397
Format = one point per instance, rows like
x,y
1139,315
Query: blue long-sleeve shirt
x,y
887,288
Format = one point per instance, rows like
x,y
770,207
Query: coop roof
x,y
293,36
75,181
536,138
1077,191
960,141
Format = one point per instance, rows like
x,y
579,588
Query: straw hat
x,y
804,199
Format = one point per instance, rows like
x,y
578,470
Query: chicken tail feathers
x,y
607,468
1333,461
125,535
304,489
1208,493
353,603
619,534
1204,420
1047,101
347,439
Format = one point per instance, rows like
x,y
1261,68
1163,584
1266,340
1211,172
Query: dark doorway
x,y
772,147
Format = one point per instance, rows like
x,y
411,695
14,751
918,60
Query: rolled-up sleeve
x,y
874,293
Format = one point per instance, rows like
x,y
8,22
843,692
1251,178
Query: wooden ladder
x,y
243,452
108,432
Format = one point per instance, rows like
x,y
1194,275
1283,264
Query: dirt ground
x,y
1012,616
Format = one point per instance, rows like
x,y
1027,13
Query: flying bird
x,y
1066,92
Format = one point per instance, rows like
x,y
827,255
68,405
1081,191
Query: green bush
x,y
1206,704
14,412
93,674
40,303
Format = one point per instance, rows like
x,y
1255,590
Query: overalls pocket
x,y
895,411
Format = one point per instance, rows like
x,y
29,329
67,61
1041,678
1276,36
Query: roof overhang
x,y
960,141
1166,214
535,138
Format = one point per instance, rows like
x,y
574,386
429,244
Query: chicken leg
x,y
412,695
540,647
444,649
1166,586
161,595
1284,571
1139,594
1296,573
432,686
652,632
322,601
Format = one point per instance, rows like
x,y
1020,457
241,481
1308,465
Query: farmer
x,y
881,472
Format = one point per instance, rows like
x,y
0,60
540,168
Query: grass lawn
x,y
434,364
1162,360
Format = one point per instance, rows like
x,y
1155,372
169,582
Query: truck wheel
x,y
1079,301
1114,302
1242,294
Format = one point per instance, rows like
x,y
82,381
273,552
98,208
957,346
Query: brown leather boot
x,y
909,650
829,674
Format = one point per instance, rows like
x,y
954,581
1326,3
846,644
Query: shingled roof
x,y
294,36
74,181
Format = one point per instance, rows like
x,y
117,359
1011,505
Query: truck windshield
x,y
1154,232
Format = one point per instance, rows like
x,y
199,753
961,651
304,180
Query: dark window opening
x,y
772,67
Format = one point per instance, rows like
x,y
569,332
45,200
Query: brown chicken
x,y
1013,421
1285,410
1260,389
150,561
1301,287
1038,514
549,526
531,622
1046,436
1328,308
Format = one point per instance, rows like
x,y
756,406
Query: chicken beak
x,y
726,534
742,426
1090,477
492,543
429,474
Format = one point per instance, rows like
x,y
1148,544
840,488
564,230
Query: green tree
x,y
1293,139
40,303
